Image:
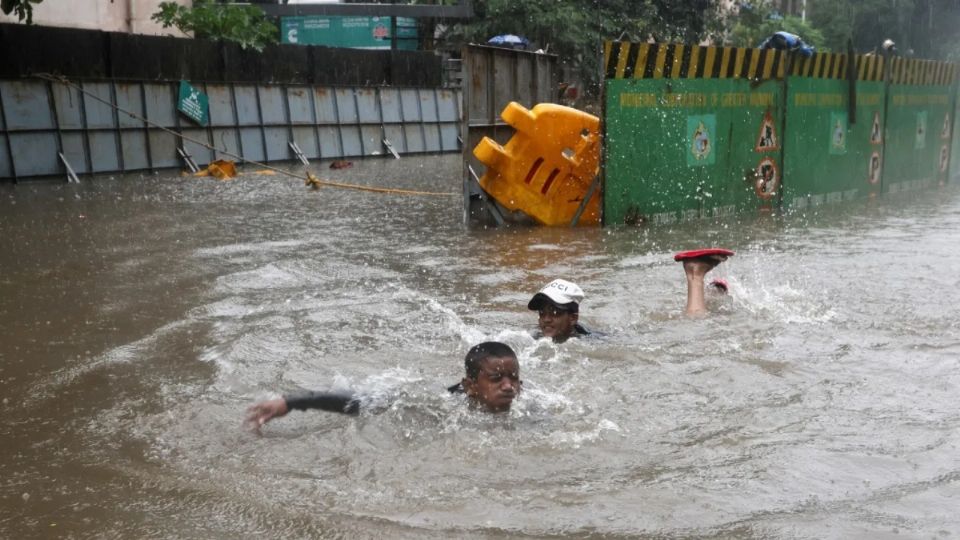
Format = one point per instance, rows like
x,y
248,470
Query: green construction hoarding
x,y
918,137
697,153
832,153
700,132
351,32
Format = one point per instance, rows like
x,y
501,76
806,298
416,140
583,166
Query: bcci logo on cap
x,y
563,291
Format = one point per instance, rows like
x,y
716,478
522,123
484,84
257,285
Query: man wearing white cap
x,y
559,307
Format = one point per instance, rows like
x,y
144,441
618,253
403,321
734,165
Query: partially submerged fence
x,y
331,103
41,119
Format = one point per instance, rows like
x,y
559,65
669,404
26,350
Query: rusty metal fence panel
x,y
40,119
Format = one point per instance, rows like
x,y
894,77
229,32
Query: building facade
x,y
131,16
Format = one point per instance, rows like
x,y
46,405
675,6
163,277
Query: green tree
x,y
575,29
688,21
23,8
866,22
760,19
924,28
243,24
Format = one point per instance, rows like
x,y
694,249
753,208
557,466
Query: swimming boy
x,y
558,306
491,382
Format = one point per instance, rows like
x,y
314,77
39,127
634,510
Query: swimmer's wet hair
x,y
488,349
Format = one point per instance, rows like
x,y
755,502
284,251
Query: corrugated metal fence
x,y
39,119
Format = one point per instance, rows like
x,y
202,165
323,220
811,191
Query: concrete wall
x,y
131,16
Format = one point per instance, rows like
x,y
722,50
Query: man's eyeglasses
x,y
552,311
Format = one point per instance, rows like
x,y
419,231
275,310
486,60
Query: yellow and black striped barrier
x,y
624,60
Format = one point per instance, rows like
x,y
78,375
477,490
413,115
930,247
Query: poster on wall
x,y
876,136
768,179
767,138
838,133
921,139
873,168
701,130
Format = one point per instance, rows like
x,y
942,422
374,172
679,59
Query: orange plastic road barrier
x,y
546,168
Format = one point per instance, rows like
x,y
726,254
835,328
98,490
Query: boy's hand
x,y
260,413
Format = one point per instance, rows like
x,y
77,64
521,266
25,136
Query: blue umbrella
x,y
509,40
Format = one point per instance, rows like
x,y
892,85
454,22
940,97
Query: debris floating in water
x,y
313,181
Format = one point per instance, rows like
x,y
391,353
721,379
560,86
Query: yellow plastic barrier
x,y
220,169
546,168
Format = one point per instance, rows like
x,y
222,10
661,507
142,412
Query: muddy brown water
x,y
140,316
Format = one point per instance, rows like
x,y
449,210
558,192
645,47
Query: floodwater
x,y
139,317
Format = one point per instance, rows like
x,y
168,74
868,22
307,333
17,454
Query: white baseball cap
x,y
559,292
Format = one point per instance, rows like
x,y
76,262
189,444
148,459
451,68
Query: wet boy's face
x,y
497,384
556,324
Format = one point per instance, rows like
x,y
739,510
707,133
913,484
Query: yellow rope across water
x,y
309,178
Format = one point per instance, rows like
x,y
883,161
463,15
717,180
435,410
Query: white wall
x,y
116,16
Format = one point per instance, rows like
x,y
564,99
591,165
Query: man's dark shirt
x,y
578,331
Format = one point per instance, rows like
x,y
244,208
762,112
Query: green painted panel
x,y
955,146
680,149
685,131
829,156
918,137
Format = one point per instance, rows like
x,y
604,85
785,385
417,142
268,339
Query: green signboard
x,y
353,32
193,103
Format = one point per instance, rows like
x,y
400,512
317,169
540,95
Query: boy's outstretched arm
x,y
260,413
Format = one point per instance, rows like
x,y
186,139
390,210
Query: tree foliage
x,y
866,22
23,8
687,21
575,29
756,21
925,28
243,24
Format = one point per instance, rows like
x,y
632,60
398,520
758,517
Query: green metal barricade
x,y
696,132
